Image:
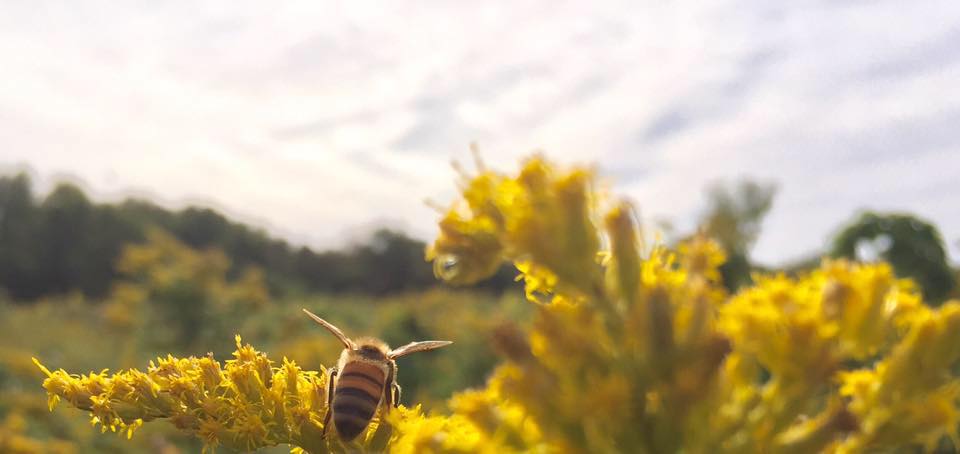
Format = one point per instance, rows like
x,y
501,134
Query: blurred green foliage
x,y
913,246
734,217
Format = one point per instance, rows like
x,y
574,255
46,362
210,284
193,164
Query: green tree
x,y
394,262
734,218
67,217
20,269
913,246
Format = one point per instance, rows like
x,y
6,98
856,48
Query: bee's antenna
x,y
414,347
333,329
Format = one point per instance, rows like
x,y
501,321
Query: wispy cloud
x,y
315,117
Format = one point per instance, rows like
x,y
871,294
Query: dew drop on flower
x,y
446,266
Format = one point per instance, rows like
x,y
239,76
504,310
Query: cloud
x,y
311,118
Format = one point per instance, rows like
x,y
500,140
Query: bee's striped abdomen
x,y
356,398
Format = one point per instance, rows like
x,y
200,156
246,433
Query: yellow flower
x,y
543,215
634,354
246,404
702,256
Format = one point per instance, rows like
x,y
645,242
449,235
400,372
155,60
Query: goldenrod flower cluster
x,y
245,404
645,352
632,349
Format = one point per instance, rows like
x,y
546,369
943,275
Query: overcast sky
x,y
315,120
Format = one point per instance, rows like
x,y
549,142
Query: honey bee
x,y
365,378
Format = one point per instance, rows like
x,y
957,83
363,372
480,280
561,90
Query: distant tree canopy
x,y
733,217
64,242
913,247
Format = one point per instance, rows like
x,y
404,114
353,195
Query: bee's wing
x,y
333,329
414,347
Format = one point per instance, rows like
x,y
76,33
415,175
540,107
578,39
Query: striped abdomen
x,y
356,398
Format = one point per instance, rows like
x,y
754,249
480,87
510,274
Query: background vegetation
x,y
88,285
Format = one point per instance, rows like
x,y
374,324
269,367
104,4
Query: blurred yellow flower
x,y
649,354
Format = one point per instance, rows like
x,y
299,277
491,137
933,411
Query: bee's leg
x,y
388,397
396,395
326,418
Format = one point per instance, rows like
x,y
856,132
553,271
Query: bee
x,y
364,379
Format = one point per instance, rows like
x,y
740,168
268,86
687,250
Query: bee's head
x,y
372,348
375,349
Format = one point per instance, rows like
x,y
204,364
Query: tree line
x,y
64,242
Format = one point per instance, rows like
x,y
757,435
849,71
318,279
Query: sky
x,y
318,120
